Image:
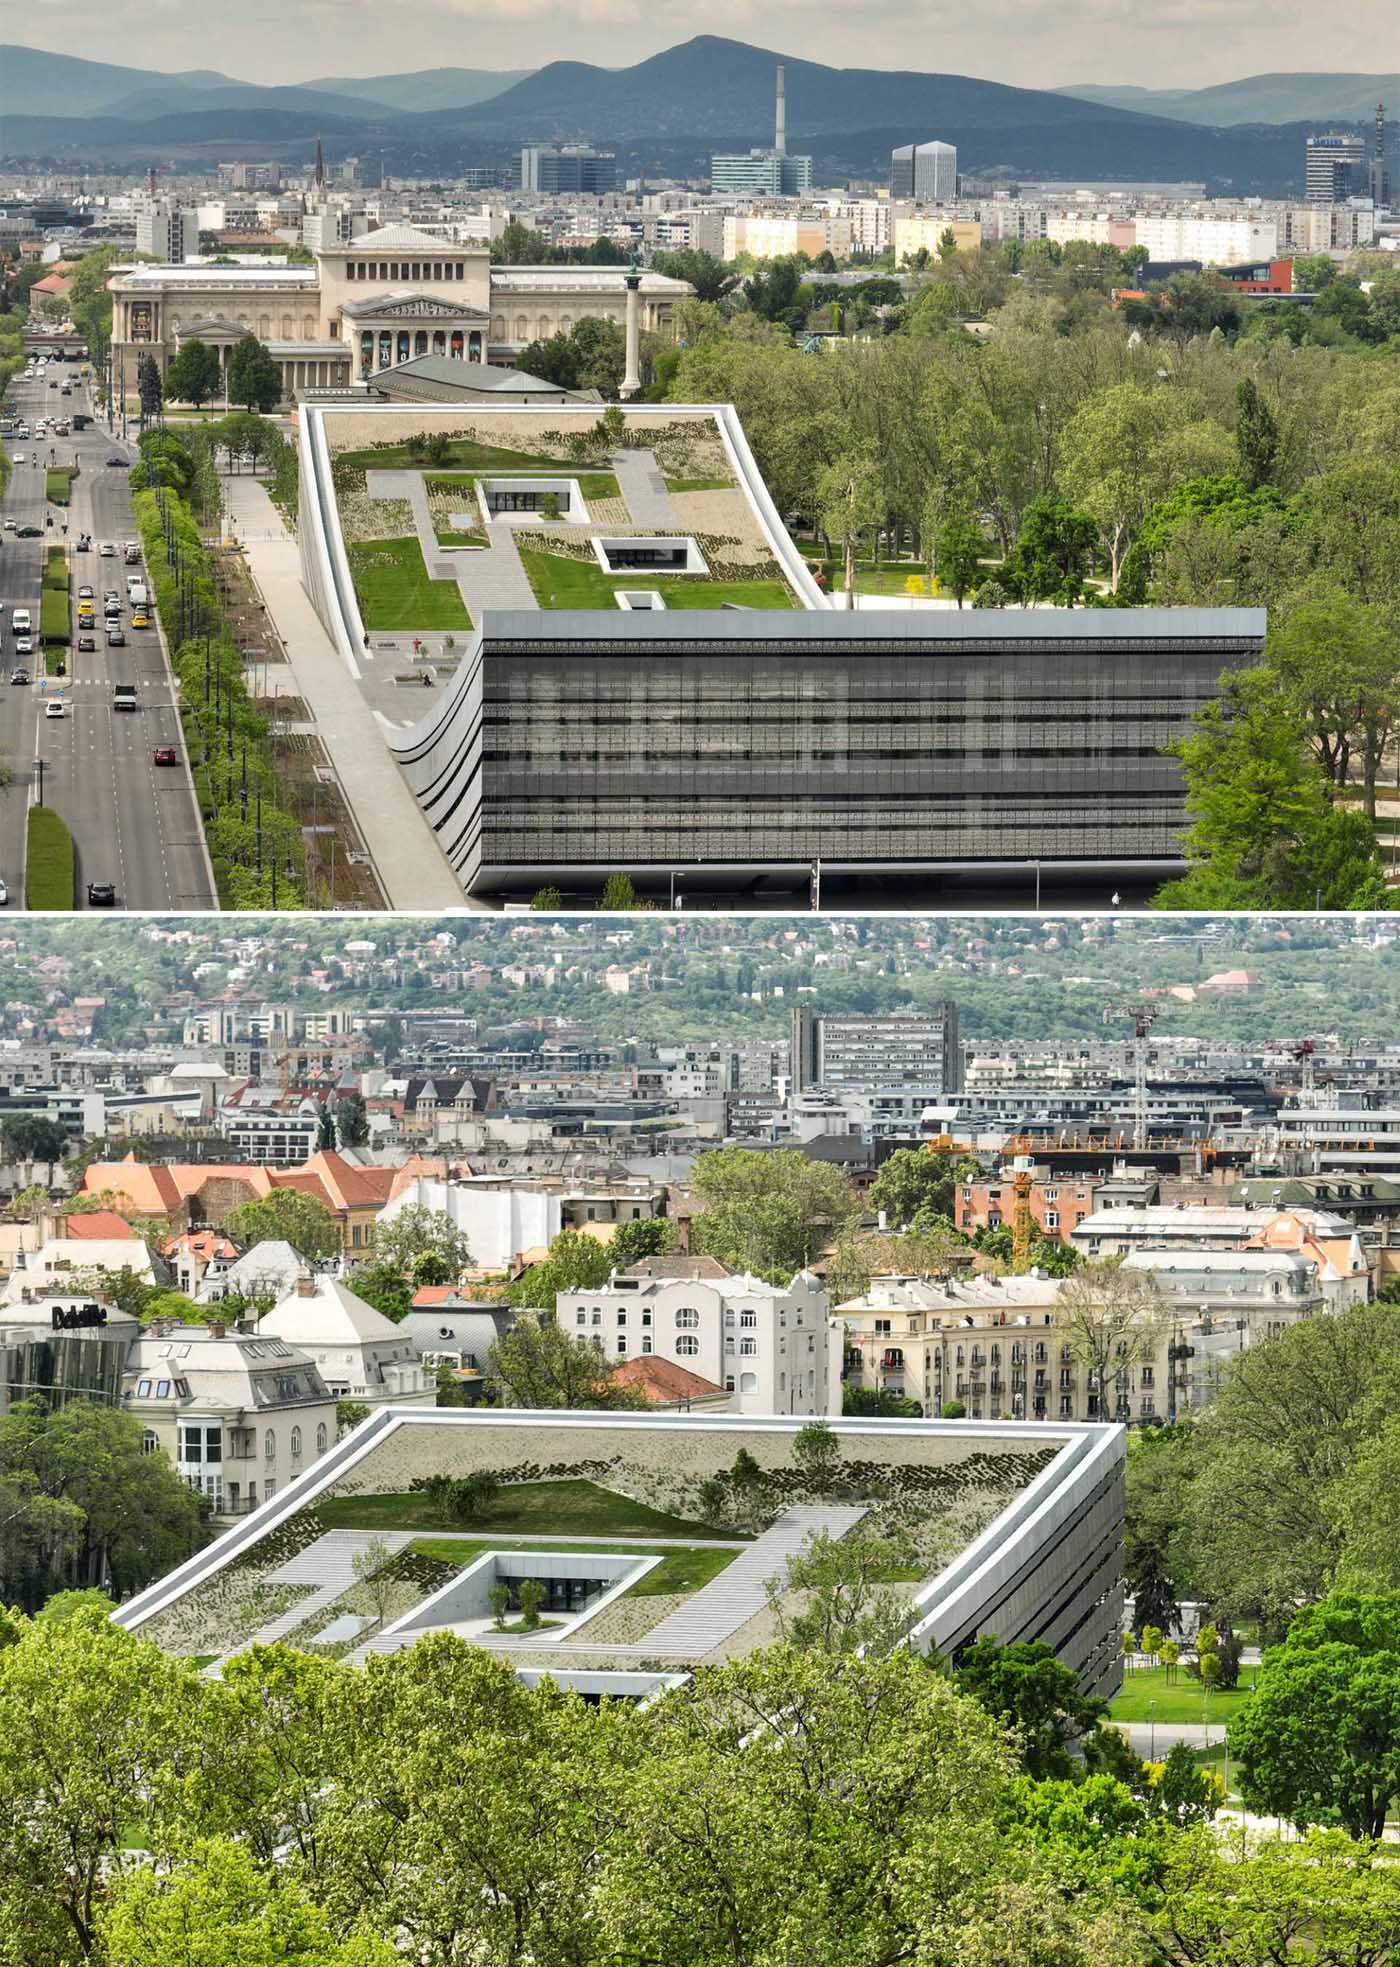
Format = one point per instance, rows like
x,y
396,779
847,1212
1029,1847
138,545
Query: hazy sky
x,y
1035,43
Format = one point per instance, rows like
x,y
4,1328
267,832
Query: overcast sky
x,y
1034,43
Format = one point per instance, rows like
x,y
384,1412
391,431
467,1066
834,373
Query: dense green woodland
x,y
798,1807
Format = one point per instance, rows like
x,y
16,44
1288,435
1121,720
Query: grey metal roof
x,y
488,377
876,627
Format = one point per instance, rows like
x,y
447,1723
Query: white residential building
x,y
776,1349
360,1354
501,1220
1213,241
240,1414
60,1260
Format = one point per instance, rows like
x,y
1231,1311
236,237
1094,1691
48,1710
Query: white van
x,y
21,621
136,594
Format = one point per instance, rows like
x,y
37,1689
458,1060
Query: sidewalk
x,y
412,869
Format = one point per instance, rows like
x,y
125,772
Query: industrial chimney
x,y
780,127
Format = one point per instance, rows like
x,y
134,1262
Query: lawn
x,y
562,583
395,592
572,1508
58,483
48,871
699,484
462,452
1181,1700
53,614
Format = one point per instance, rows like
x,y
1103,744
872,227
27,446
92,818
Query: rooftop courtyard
x,y
617,1551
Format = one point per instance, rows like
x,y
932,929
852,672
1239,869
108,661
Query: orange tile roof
x,y
100,1224
662,1380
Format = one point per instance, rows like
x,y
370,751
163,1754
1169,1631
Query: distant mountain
x,y
1316,99
424,88
36,83
149,104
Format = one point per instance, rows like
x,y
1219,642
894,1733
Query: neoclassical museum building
x,y
369,304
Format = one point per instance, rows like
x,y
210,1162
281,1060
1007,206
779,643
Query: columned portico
x,y
393,328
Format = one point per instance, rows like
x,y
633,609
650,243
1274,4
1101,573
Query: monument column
x,y
632,374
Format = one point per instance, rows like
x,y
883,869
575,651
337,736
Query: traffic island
x,y
48,867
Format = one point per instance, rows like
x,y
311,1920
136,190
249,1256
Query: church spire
x,y
320,166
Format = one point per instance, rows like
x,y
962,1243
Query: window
x,y
728,1318
296,1444
621,1319
321,1439
687,1320
580,1317
729,1383
1052,1219
622,1345
646,1342
646,1320
748,1321
143,1390
749,1348
150,1441
269,1446
687,1346
597,1317
162,1389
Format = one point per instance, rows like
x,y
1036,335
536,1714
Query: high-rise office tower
x,y
1337,169
925,172
1380,161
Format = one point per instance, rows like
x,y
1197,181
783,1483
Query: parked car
x,y
101,894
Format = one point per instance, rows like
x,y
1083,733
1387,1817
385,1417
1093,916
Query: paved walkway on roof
x,y
641,483
412,868
329,1565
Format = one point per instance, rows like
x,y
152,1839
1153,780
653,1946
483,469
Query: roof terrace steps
x,y
710,1615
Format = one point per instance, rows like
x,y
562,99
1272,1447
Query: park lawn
x,y
48,868
395,591
462,452
569,1508
559,582
1182,1700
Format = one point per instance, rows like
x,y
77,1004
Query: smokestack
x,y
780,127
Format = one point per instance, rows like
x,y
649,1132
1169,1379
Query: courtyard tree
x,y
576,1262
914,1182
422,1245
1256,436
34,1137
1108,1316
768,1212
538,1364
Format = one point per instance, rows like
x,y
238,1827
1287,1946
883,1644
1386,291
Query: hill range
x,y
663,114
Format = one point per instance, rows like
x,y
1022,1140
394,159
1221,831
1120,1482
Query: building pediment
x,y
212,329
410,307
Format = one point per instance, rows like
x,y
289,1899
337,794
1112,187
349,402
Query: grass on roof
x,y
395,592
559,582
569,1508
463,452
699,484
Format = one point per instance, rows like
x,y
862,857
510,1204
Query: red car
x,y
164,754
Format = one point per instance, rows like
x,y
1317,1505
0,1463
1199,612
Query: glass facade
x,y
906,751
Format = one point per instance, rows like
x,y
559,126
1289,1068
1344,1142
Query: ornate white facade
x,y
368,304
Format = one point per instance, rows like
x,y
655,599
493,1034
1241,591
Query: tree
x,y
958,550
915,1182
325,1130
34,1137
766,1212
1319,1739
537,1364
646,1236
816,1452
287,1216
215,1907
619,895
878,1403
1183,1792
1026,1688
1338,670
351,1120
1264,831
850,504
422,1244
254,379
531,1595
148,388
1256,436
547,901
1106,1316
576,1262
1053,554
136,1518
196,374
710,277
499,1596
833,1596
373,1567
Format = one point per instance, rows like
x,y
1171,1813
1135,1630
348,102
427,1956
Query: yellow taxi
x,y
140,619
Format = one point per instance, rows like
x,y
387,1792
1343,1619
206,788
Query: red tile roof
x,y
662,1381
101,1225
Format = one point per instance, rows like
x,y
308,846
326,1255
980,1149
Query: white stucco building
x,y
500,1220
361,1354
776,1349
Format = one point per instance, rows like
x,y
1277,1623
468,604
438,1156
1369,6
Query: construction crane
x,y
1143,1017
1305,1055
1022,1222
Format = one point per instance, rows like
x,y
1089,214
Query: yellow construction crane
x,y
1022,1223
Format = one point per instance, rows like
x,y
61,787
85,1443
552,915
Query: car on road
x,y
54,708
9,523
29,532
140,619
85,591
101,894
165,754
24,646
115,463
19,675
107,550
84,544
115,637
4,894
87,645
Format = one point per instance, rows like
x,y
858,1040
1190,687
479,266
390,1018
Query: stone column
x,y
632,376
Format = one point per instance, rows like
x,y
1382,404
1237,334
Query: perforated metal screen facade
x,y
844,746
